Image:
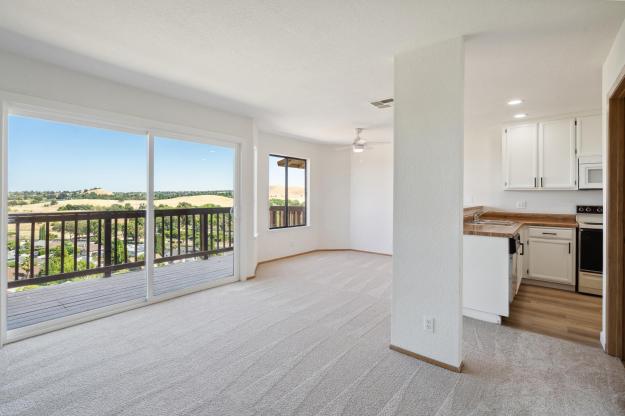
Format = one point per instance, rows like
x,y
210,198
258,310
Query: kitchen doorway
x,y
614,305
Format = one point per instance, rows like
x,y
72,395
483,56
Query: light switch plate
x,y
521,204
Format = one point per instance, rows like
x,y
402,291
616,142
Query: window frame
x,y
55,111
286,192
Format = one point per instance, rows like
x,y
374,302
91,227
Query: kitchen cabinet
x,y
486,277
520,149
552,255
523,256
556,154
588,132
542,155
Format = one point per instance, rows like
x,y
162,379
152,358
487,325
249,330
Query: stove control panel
x,y
590,209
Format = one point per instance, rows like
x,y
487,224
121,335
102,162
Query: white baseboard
x,y
482,316
602,339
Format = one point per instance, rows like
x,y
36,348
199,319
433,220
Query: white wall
x,y
53,83
483,181
333,198
371,211
350,198
613,73
427,201
328,198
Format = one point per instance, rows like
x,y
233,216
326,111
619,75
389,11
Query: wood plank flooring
x,y
558,313
50,302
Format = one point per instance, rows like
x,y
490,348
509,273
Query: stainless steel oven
x,y
590,249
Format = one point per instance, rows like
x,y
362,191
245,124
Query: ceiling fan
x,y
359,144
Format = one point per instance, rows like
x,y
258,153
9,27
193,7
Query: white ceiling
x,y
310,68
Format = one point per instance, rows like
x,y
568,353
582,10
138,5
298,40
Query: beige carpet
x,y
308,336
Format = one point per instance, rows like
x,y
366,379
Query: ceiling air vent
x,y
386,103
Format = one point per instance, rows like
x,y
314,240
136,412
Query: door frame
x,y
12,103
614,292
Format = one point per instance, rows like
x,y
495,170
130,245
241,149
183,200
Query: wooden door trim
x,y
615,224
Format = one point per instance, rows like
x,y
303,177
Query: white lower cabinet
x,y
486,277
522,258
552,255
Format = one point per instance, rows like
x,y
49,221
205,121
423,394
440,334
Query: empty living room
x,y
318,208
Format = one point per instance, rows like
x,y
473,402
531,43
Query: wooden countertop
x,y
519,220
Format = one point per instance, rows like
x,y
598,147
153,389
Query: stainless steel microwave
x,y
590,172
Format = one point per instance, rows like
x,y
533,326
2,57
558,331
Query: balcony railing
x,y
277,216
64,245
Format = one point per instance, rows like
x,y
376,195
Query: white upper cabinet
x,y
543,155
589,136
520,145
556,154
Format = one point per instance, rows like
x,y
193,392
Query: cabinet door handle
x,y
541,181
551,234
522,249
534,181
569,248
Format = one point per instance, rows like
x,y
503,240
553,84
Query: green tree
x,y
118,252
55,260
25,266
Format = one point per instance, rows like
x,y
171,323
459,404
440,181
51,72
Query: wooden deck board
x,y
50,302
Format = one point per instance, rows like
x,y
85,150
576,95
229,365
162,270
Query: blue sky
x,y
45,155
297,177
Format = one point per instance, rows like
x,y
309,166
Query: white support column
x,y
244,199
427,201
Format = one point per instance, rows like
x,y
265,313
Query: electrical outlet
x,y
428,324
521,204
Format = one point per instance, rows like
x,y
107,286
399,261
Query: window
x,y
287,191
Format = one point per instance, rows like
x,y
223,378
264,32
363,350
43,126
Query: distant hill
x,y
295,192
99,204
97,191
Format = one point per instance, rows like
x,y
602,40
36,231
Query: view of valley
x,y
65,231
82,217
99,199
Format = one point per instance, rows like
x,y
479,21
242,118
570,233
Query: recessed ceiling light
x,y
520,115
516,101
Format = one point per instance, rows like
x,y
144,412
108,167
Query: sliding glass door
x,y
193,210
76,218
79,227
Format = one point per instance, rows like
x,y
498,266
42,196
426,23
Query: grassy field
x,y
195,200
296,193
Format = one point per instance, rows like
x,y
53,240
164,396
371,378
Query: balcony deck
x,y
50,302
